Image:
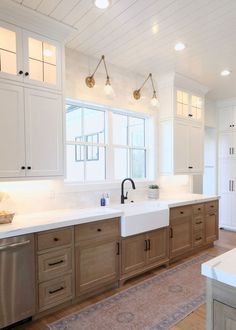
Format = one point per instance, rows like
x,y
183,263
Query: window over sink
x,y
104,144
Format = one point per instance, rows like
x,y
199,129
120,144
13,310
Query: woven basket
x,y
6,217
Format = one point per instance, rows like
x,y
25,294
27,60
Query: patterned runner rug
x,y
157,303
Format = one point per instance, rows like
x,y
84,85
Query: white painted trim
x,y
224,103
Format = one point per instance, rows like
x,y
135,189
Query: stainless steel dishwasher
x,y
17,279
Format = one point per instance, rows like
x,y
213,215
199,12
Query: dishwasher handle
x,y
14,245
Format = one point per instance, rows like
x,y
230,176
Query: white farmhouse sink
x,y
143,216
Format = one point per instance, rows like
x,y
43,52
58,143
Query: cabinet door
x,y
181,147
233,209
11,66
12,143
180,235
225,209
211,227
227,145
44,133
42,61
158,246
225,119
226,175
195,163
96,265
133,256
224,316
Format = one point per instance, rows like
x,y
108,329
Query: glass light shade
x,y
179,46
102,4
108,89
155,102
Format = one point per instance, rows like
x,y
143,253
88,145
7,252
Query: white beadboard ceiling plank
x,y
77,12
63,9
46,7
33,4
117,19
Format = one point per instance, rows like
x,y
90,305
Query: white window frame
x,y
109,147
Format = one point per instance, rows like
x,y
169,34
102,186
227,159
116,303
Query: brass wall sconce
x,y
137,92
90,81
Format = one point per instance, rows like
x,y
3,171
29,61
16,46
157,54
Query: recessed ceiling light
x,y
225,73
155,28
179,46
102,4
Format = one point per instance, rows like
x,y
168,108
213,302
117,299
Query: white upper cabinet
x,y
227,118
29,57
189,105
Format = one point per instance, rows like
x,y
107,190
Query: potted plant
x,y
153,191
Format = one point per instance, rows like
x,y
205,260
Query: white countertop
x,y
222,268
35,222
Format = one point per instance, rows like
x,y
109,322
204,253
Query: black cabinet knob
x,y
23,167
190,167
20,72
99,229
56,239
28,167
26,74
190,115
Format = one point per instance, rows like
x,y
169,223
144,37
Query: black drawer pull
x,y
181,212
190,115
56,239
99,229
56,263
212,206
149,244
57,290
198,239
198,222
118,248
199,209
190,167
146,245
171,232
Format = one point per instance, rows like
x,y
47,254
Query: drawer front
x,y
54,264
182,211
96,230
54,238
211,207
198,238
198,209
198,223
55,292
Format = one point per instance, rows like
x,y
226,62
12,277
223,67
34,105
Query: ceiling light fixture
x,y
225,73
102,4
90,81
137,92
179,46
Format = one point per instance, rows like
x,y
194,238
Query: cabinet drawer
x,y
182,211
198,209
198,238
198,223
211,207
54,238
96,230
55,292
53,264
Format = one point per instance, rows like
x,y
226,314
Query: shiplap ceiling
x,y
140,35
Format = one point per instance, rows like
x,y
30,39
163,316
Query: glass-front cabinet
x,y
189,105
28,57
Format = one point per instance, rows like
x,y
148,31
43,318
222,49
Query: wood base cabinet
x,y
97,256
142,252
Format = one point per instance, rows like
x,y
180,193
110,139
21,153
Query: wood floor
x,y
195,321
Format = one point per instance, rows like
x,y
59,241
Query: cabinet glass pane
x,y
182,103
45,54
95,168
50,74
7,40
120,163
36,70
120,129
136,132
8,62
49,53
75,163
8,51
138,170
196,107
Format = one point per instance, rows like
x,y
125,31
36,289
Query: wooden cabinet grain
x,y
144,251
97,256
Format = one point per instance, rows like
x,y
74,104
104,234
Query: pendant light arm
x,y
102,59
144,82
153,87
105,66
